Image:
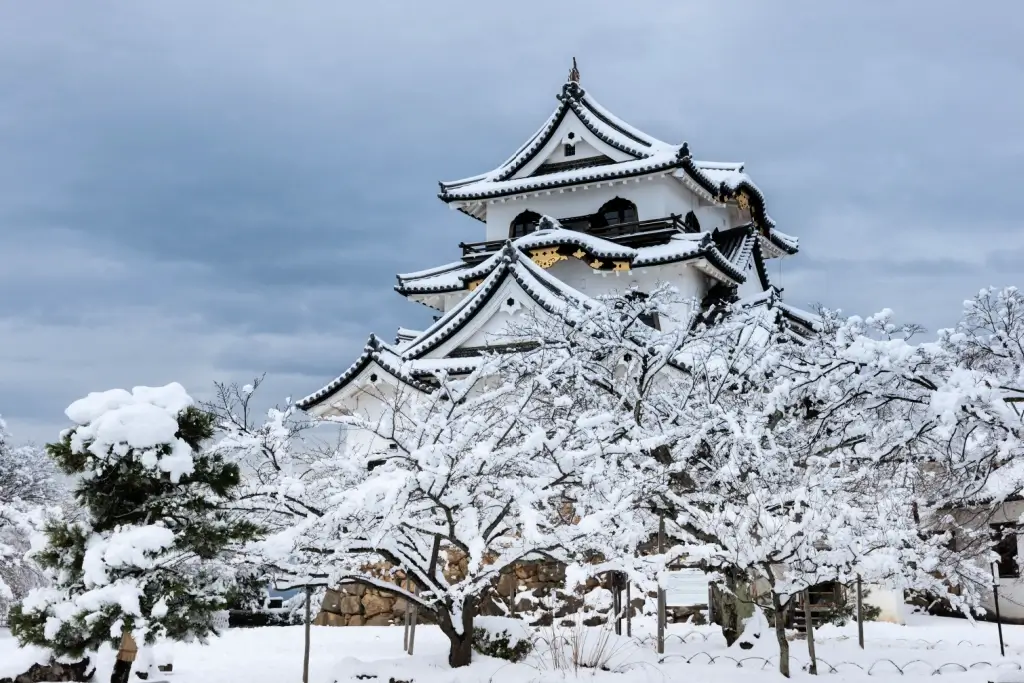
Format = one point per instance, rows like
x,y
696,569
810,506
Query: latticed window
x,y
524,224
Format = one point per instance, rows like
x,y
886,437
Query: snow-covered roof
x,y
640,154
730,256
376,352
408,362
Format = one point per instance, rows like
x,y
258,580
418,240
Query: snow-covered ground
x,y
955,649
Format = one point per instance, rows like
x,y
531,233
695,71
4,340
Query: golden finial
x,y
574,73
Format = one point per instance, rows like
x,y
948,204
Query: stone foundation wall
x,y
353,605
533,591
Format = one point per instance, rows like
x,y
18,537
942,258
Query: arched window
x,y
524,224
617,211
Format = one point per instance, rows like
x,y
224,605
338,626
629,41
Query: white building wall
x,y
1011,590
368,402
655,196
890,603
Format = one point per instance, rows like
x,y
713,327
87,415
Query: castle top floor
x,y
592,171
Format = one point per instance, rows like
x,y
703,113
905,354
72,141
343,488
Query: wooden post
x,y
616,601
860,612
995,597
413,614
661,591
514,585
305,647
406,620
809,618
629,610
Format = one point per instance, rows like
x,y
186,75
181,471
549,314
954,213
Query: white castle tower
x,y
631,211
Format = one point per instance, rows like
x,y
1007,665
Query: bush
x,y
846,612
502,638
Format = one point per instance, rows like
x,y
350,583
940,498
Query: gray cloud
x,y
197,191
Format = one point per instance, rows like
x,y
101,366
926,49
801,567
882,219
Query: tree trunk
x,y
460,645
126,654
728,610
122,672
780,633
809,617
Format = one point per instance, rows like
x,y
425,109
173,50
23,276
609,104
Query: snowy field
x,y
952,648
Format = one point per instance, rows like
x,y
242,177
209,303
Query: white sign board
x,y
685,588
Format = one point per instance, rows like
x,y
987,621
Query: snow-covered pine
x,y
148,556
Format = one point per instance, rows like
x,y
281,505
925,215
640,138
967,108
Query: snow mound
x,y
111,422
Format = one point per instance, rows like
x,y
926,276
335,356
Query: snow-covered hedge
x,y
503,638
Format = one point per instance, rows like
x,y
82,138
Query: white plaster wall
x,y
655,196
367,401
584,150
889,601
649,194
553,150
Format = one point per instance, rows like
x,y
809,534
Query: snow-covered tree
x,y
148,558
29,493
804,468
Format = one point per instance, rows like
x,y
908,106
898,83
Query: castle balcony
x,y
629,234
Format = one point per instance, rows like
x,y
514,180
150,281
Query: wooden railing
x,y
653,230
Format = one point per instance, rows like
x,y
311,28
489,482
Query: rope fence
x,y
880,666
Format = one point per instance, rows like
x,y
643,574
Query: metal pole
x,y
995,596
305,651
661,591
860,612
809,618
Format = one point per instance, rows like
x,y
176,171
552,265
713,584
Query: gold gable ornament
x,y
545,258
596,265
580,254
743,201
621,265
473,285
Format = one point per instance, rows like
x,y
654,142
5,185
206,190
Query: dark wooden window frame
x,y
520,227
1005,537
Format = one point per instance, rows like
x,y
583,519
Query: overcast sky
x,y
195,191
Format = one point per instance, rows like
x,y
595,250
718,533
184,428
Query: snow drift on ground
x,y
954,649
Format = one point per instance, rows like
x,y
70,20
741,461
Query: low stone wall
x,y
353,605
533,591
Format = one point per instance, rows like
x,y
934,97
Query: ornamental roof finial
x,y
574,73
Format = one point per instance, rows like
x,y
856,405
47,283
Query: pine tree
x,y
150,556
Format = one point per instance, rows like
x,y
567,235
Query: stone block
x,y
350,604
376,604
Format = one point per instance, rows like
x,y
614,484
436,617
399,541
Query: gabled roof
x,y
604,125
410,364
548,292
376,353
644,155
